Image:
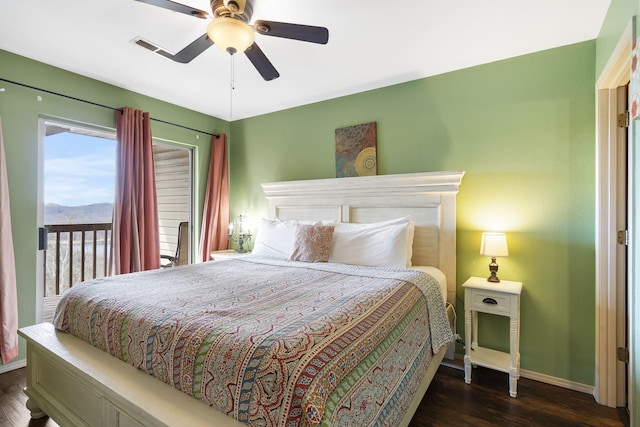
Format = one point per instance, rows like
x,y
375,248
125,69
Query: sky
x,y
78,169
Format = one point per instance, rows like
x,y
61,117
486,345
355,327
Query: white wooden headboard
x,y
430,199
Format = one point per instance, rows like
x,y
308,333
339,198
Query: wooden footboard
x,y
76,384
79,385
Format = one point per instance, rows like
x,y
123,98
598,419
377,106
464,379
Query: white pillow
x,y
411,231
275,238
384,244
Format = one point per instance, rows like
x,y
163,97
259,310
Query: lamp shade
x,y
494,245
230,35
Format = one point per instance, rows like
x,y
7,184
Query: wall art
x,y
356,150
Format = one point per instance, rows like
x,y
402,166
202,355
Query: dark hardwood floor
x,y
13,411
449,402
486,402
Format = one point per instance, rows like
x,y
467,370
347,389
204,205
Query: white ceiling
x,y
372,43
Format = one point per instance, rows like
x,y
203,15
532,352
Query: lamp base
x,y
493,268
241,238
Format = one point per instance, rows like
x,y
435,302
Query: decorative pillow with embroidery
x,y
312,243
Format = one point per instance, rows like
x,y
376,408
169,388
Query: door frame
x,y
43,120
608,304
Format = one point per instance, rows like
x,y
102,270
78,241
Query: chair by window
x,y
182,248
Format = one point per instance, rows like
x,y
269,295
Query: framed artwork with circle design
x,y
356,150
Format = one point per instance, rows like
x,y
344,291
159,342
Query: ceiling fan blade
x,y
193,49
261,62
305,33
177,7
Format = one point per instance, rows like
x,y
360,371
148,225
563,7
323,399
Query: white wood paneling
x,y
173,192
430,199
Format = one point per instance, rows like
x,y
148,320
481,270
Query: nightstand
x,y
227,254
501,299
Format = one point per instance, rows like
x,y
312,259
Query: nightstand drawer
x,y
490,302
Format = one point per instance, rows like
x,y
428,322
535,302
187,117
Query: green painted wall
x,y
523,130
618,17
20,112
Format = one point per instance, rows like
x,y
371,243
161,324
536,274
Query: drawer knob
x,y
490,301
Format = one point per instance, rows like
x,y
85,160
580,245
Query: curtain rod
x,y
101,105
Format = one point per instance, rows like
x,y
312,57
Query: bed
x,y
77,383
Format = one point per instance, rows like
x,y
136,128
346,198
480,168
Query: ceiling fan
x,y
230,30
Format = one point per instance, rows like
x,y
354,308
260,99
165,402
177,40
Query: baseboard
x,y
560,382
458,363
13,366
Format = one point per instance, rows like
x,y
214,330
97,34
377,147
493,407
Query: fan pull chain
x,y
232,87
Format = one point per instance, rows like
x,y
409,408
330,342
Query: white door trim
x,y
616,73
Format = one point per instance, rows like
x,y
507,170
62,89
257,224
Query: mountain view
x,y
63,259
85,214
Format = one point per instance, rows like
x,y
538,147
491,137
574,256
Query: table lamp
x,y
494,245
238,233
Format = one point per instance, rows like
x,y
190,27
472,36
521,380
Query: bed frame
x,y
79,385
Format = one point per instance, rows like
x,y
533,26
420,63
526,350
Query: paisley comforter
x,y
271,343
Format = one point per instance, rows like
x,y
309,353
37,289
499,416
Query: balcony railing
x,y
75,253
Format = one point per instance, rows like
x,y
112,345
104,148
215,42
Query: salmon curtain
x,y
135,244
215,215
8,289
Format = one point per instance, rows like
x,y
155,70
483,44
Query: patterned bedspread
x,y
271,343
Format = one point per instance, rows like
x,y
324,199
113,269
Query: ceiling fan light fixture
x,y
230,35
